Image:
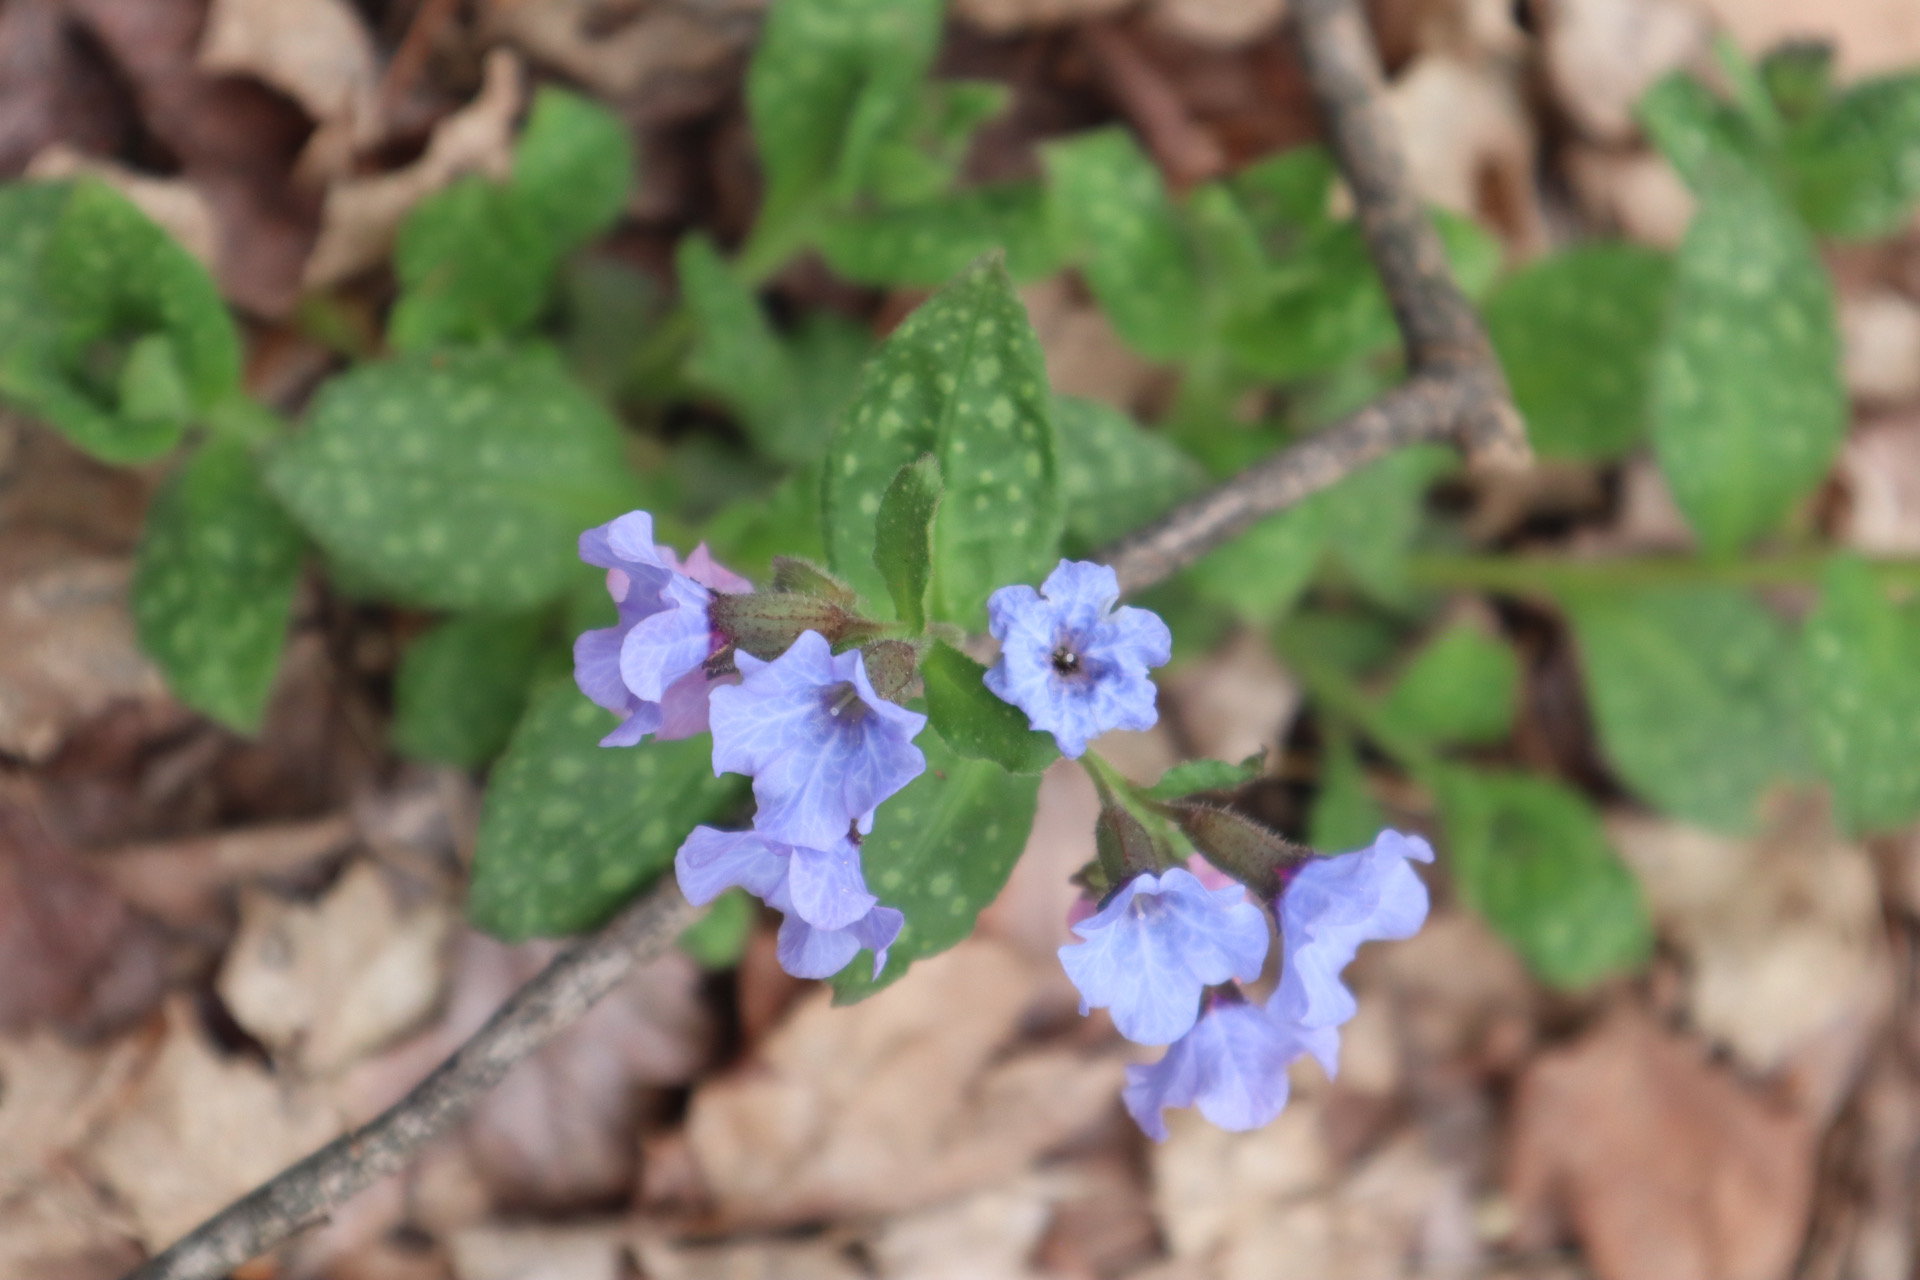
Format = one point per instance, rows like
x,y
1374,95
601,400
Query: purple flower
x,y
1073,663
1232,1065
1156,945
1327,910
649,666
822,747
828,913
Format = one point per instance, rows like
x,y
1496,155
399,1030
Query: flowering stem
x,y
1555,576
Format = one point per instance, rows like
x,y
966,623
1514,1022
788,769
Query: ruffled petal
x,y
712,861
826,886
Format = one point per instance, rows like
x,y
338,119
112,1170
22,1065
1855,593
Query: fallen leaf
x,y
1235,704
1469,145
317,52
1666,1167
1880,332
67,648
657,52
361,216
1602,55
1783,934
52,87
324,985
1085,357
1007,17
911,1097
196,1130
184,882
173,203
989,1235
1637,192
1221,24
71,950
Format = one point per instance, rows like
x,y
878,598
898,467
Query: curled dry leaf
x,y
362,215
911,1097
183,882
1662,1164
1085,357
1220,24
196,1129
52,89
1637,192
67,648
1006,17
174,203
1783,934
657,46
1469,144
324,985
1602,55
317,52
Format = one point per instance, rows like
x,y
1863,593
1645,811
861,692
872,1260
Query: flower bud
x,y
1255,855
1125,846
765,624
794,576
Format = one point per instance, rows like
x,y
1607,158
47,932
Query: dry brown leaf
x,y
1869,36
904,1100
1667,1168
1602,55
1085,357
362,215
1457,996
1469,144
1220,24
1031,911
71,951
1880,466
196,1129
989,1235
1635,191
67,648
60,1229
1235,704
1783,935
1006,17
317,52
183,882
52,88
1881,332
660,44
324,985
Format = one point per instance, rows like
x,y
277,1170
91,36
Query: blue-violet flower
x,y
1232,1065
822,747
1156,944
650,666
829,915
1070,660
1331,906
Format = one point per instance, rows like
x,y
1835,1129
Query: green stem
x,y
1521,575
1337,692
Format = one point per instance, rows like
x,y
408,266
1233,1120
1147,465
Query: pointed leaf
x,y
1863,693
974,721
903,538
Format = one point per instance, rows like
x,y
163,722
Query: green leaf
x,y
462,686
1577,333
572,167
1372,517
1260,574
1114,209
1345,815
1462,687
213,585
974,721
746,535
1748,407
919,156
903,538
925,244
1853,169
940,851
1531,856
96,304
1697,698
571,830
963,379
1696,131
1190,776
1863,695
1115,475
829,80
456,481
474,262
719,938
1289,192
736,357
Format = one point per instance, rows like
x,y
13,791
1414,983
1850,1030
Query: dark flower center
x,y
844,703
1066,663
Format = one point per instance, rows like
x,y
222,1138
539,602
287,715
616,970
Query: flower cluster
x,y
823,749
1163,952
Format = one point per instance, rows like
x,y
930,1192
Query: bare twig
x,y
553,1001
1456,394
